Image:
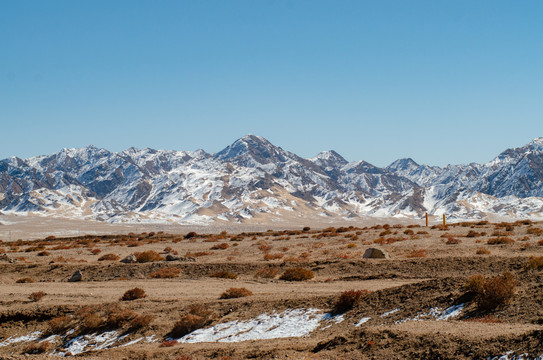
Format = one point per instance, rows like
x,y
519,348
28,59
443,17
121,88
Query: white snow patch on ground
x,y
436,313
390,312
510,355
289,323
24,338
362,321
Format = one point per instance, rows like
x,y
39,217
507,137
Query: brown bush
x,y
36,296
453,241
494,292
117,317
58,325
224,275
168,273
109,257
95,251
534,231
187,324
500,240
277,256
190,235
25,280
37,348
233,293
221,246
148,256
91,322
348,299
133,294
472,234
482,251
268,273
416,253
44,253
534,263
141,322
297,274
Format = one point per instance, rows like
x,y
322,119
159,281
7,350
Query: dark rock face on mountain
x,y
254,179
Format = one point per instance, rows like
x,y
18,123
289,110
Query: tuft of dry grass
x,y
348,299
491,293
148,256
267,273
196,317
37,348
25,280
417,253
133,294
482,251
58,325
297,274
109,257
500,240
36,296
234,293
534,263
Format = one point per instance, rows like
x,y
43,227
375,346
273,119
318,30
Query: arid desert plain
x,y
468,290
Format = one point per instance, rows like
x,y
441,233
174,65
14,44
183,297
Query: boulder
x,y
375,253
76,276
171,257
5,257
130,259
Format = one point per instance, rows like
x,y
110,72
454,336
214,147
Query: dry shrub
x,y
224,275
37,348
148,256
117,317
409,232
348,299
500,240
141,322
44,253
36,296
417,253
534,231
109,257
297,274
190,235
535,263
91,322
95,251
221,246
452,241
482,251
277,256
133,294
233,293
25,280
58,325
493,292
268,273
168,273
472,234
187,324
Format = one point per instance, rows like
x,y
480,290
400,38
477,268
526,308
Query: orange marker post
x,y
426,219
444,221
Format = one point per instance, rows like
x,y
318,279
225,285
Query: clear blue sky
x,y
439,81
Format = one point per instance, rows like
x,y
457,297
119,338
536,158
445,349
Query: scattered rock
x,y
5,257
374,253
187,258
171,257
130,259
77,276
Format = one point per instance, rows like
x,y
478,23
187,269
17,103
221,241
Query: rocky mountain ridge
x,y
254,180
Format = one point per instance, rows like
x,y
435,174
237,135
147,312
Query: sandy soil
x,y
424,275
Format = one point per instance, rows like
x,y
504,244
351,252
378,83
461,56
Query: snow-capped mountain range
x,y
253,180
